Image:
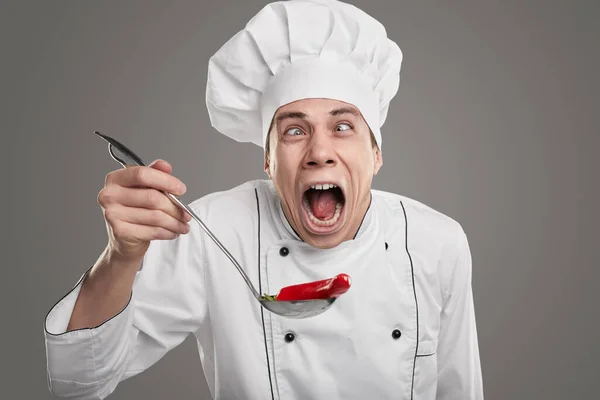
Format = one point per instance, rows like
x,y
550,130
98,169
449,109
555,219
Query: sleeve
x,y
166,305
459,367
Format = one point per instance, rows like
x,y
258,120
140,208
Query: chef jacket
x,y
405,330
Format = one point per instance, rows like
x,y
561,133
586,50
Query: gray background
x,y
495,125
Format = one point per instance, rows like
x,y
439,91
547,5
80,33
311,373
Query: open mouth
x,y
323,204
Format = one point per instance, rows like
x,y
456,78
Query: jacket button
x,y
284,251
396,334
386,245
289,337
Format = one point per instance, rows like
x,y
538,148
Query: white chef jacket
x,y
405,330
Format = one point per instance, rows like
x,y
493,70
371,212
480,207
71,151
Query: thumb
x,y
161,165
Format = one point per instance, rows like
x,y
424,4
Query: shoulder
x,y
421,220
236,201
236,208
435,236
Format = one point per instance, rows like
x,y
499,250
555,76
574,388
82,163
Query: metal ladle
x,y
290,309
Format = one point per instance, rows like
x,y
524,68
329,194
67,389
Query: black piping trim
x,y
262,313
425,355
83,277
415,294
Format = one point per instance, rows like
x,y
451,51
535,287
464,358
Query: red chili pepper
x,y
324,289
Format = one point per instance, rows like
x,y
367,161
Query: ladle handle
x,y
135,160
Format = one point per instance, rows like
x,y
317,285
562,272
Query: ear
x,y
267,166
378,160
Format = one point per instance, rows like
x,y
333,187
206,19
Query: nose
x,y
321,151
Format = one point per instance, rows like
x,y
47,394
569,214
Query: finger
x,y
161,165
139,176
143,198
152,218
145,232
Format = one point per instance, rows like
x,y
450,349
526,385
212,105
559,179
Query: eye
x,y
294,132
343,127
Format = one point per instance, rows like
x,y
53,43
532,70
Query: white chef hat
x,y
298,49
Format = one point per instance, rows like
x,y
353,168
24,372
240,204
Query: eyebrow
x,y
344,110
290,115
333,113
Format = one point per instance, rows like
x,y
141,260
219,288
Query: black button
x,y
289,337
284,251
396,334
386,245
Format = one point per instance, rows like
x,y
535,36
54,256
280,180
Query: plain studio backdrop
x,y
495,125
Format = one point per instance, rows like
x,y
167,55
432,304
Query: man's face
x,y
314,144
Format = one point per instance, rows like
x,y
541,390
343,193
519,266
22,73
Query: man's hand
x,y
135,210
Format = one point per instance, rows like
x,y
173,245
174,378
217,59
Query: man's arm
x,y
105,290
166,304
459,367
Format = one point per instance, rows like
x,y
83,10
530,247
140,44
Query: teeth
x,y
325,186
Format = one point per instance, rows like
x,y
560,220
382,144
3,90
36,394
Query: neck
x,y
364,214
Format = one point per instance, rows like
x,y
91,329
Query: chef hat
x,y
298,49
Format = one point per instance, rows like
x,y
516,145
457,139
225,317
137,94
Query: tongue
x,y
322,203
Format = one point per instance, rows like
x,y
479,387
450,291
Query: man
x,y
311,82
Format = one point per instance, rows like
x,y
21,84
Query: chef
x,y
310,82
